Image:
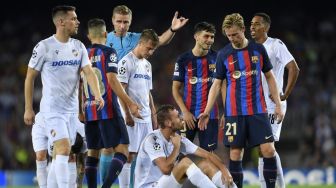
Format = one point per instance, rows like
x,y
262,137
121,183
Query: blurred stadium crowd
x,y
309,132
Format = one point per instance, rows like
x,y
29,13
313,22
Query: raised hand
x,y
177,23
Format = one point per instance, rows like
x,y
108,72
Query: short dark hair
x,y
205,26
265,17
96,27
63,9
162,113
149,34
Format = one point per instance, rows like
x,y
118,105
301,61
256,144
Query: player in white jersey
x,y
280,58
59,58
156,162
42,145
135,74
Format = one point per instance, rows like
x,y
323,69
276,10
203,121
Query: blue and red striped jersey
x,y
104,60
242,68
197,75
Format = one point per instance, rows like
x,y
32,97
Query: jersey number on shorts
x,y
271,118
100,83
231,130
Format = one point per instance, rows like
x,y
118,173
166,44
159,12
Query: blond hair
x,y
231,20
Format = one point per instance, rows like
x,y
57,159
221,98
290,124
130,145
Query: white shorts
x,y
59,126
136,135
39,134
73,125
276,128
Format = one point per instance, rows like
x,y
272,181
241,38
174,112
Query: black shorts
x,y
247,131
208,138
106,133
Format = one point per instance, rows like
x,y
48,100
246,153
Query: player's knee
x,y
93,153
122,148
184,163
236,154
207,167
267,150
41,155
62,147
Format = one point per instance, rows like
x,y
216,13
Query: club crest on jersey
x,y
123,62
255,59
230,138
53,133
212,67
75,52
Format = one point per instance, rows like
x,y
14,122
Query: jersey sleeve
x,y
112,61
85,56
220,71
187,147
179,71
153,147
266,66
124,70
38,56
282,53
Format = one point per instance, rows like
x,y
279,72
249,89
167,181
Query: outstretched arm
x,y
188,117
213,93
176,24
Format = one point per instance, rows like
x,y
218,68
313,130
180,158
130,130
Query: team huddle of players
x,y
107,86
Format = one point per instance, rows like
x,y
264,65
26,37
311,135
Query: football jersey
x,y
137,74
279,56
197,75
242,69
59,64
154,146
104,60
124,44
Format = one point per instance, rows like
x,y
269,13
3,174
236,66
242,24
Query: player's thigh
x,y
235,131
39,136
209,137
276,127
260,130
113,132
168,181
57,126
138,132
92,134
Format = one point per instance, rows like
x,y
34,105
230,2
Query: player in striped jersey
x,y
280,58
241,64
194,73
105,128
60,58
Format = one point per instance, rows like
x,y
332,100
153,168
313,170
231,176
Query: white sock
x,y
124,176
198,178
217,180
72,175
41,173
52,183
62,170
261,172
280,177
